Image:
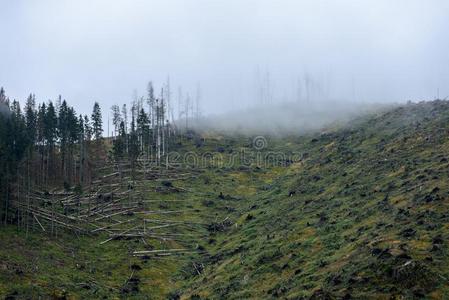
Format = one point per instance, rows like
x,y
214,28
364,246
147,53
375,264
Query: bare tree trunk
x,y
81,172
28,194
52,216
18,199
6,200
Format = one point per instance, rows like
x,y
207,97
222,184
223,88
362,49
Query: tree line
x,y
44,145
150,130
48,145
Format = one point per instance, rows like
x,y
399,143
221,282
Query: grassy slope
x,y
362,214
359,212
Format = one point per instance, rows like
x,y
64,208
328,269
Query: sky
x,y
103,50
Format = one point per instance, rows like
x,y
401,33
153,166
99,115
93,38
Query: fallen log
x,y
37,220
114,214
159,251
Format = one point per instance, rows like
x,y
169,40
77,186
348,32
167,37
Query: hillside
x,y
363,213
353,212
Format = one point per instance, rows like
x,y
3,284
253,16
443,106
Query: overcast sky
x,y
86,50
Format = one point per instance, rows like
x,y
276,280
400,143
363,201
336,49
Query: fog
x,y
242,53
288,118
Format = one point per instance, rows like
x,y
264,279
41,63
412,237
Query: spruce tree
x,y
31,119
143,129
50,125
82,155
133,147
118,148
97,122
63,133
87,129
50,135
72,135
116,118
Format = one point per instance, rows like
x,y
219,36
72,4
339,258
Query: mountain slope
x,y
354,212
362,214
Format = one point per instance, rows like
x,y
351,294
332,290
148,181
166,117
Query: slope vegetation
x,y
363,213
353,212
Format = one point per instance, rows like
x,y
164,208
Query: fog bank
x,y
285,118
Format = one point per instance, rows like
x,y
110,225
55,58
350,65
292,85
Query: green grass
x,y
72,267
318,228
360,211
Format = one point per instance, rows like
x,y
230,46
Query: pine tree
x,y
143,129
31,119
82,145
73,126
125,121
97,122
50,135
50,125
13,145
97,131
87,138
133,147
118,149
63,133
40,139
87,129
31,132
18,132
116,118
73,135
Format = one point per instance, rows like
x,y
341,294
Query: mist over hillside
x,y
285,118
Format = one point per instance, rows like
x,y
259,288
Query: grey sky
x,y
102,50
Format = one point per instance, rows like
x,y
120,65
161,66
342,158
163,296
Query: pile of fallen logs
x,y
116,206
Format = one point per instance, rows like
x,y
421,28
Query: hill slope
x,y
353,212
363,213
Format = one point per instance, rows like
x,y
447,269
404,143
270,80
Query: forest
x,y
46,145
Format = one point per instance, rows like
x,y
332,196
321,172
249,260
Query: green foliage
x,y
97,122
14,141
43,130
31,118
50,123
143,128
119,146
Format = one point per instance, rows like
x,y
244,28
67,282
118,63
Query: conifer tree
x,y
118,149
63,133
82,150
97,122
72,135
87,129
31,119
50,135
116,118
143,129
133,147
